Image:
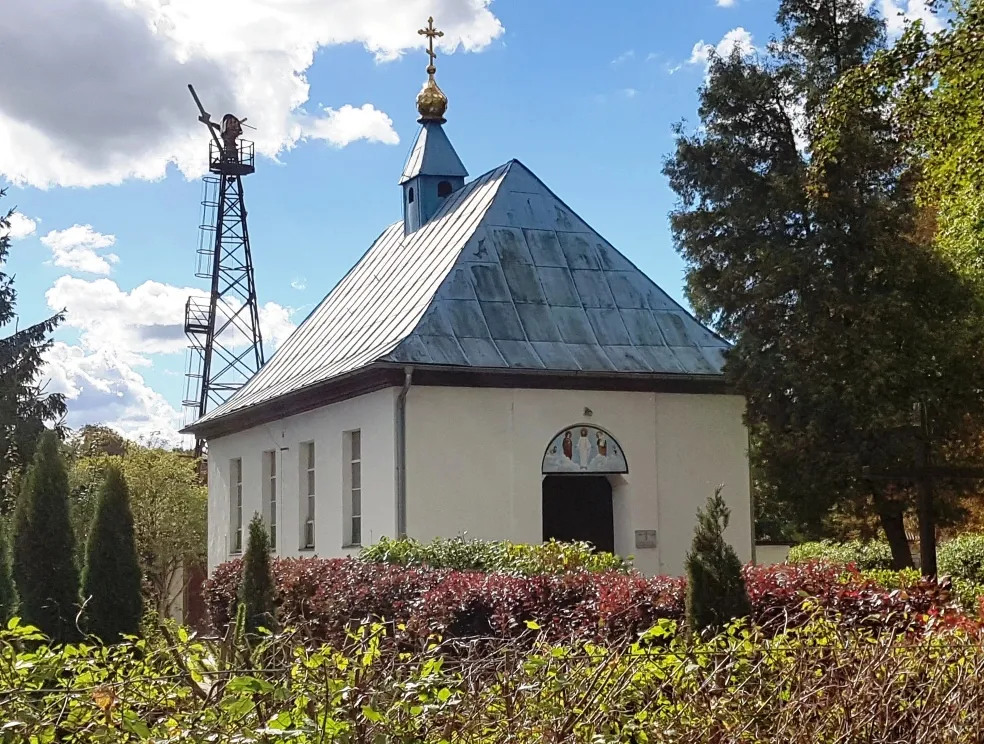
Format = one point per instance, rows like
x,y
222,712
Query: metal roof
x,y
505,275
432,155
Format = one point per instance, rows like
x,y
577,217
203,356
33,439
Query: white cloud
x,y
725,3
75,248
898,13
120,333
149,319
737,39
95,91
349,124
20,227
623,57
630,92
299,283
101,386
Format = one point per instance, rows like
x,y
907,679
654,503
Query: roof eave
x,y
381,375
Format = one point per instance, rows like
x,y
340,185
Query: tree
x,y
716,592
8,597
111,580
44,571
25,408
256,590
93,439
842,314
170,508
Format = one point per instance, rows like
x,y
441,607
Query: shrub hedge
x,y
823,682
962,557
865,555
325,597
464,554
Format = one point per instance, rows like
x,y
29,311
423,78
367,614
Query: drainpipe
x,y
401,454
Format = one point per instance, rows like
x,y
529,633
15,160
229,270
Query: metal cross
x,y
431,33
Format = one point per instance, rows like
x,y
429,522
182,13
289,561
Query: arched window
x,y
444,189
410,196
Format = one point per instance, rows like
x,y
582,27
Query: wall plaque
x,y
645,539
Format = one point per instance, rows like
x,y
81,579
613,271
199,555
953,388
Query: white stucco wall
x,y
474,458
373,414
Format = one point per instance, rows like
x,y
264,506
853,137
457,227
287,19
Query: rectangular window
x,y
270,473
236,502
353,488
307,495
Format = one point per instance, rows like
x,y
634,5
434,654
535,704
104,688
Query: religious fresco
x,y
584,449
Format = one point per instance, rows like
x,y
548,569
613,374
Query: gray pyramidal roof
x,y
505,276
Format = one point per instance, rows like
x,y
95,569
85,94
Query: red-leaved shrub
x,y
324,597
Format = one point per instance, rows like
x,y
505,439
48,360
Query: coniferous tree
x,y
44,571
111,581
842,314
256,590
25,408
716,592
8,597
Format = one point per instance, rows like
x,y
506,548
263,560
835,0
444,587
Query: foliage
x,y
324,598
820,682
93,440
842,313
963,556
111,579
486,555
256,584
8,596
865,555
44,571
716,592
169,506
25,407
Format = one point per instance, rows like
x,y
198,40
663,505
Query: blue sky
x,y
585,95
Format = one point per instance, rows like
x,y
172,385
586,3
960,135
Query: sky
x,y
102,154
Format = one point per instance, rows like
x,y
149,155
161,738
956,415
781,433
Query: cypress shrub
x,y
111,581
44,570
8,597
716,592
256,588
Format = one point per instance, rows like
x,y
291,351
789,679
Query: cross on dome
x,y
431,101
431,33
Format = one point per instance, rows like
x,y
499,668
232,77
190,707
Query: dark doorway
x,y
579,507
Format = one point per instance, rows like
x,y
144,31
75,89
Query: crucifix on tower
x,y
431,33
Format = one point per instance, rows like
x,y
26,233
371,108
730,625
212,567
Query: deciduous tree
x,y
842,314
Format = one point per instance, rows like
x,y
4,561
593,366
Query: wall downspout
x,y
401,454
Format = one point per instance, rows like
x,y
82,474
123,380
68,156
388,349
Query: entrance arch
x,y
576,493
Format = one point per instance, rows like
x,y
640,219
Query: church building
x,y
492,367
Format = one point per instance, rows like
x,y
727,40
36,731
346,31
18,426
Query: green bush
x,y
111,581
818,683
866,556
44,570
463,554
962,557
716,592
256,590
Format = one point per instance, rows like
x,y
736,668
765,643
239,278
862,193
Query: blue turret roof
x,y
433,155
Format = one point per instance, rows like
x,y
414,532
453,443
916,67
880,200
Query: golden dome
x,y
432,104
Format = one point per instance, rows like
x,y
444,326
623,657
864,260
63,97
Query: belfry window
x,y
410,196
444,189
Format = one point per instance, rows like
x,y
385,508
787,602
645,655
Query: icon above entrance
x,y
584,449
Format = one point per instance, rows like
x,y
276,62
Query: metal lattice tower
x,y
223,328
